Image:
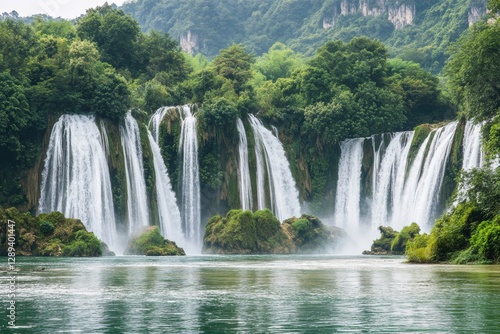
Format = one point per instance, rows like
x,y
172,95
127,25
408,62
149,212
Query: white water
x,y
389,176
137,204
284,196
473,154
400,194
260,164
347,203
155,121
426,196
75,178
168,212
190,203
245,184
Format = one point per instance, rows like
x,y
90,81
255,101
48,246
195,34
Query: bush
x,y
383,244
398,245
150,242
267,225
486,240
47,228
302,228
417,250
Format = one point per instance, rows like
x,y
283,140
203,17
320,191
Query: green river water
x,y
250,294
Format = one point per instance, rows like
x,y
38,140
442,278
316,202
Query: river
x,y
253,294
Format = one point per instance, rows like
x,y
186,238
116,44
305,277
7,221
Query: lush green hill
x,y
419,31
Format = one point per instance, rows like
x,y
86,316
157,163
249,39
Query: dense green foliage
x,y
150,242
102,66
301,24
48,235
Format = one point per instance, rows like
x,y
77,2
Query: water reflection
x,y
255,294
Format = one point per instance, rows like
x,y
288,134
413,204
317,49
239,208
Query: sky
x,y
68,9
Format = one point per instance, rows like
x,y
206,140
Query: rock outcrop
x,y
401,13
244,232
150,242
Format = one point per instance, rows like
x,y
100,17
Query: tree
x,y
353,63
57,28
17,41
419,90
15,115
382,109
279,62
234,64
114,32
158,55
474,71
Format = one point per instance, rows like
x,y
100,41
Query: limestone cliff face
x,y
189,42
401,13
476,12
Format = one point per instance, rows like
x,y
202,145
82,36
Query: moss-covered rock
x,y
47,235
150,242
244,232
382,245
310,235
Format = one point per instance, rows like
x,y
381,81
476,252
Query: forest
x,y
107,63
418,31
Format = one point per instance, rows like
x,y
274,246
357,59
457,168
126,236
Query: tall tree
x,y
113,31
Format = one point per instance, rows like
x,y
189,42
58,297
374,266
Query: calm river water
x,y
252,294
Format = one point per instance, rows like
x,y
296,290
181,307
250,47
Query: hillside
x,y
419,31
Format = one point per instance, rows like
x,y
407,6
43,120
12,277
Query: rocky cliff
x,y
400,13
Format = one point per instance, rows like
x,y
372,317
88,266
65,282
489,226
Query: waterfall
x,y
75,177
389,176
284,196
137,204
190,204
245,185
155,121
168,212
400,194
259,159
472,152
426,196
347,203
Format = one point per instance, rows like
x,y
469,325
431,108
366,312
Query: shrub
x,y
417,250
47,228
398,245
486,240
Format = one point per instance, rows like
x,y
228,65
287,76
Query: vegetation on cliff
x,y
307,24
150,242
244,232
48,235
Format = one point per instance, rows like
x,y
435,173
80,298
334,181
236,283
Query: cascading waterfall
x,y
155,121
284,196
473,154
347,203
245,185
75,178
137,202
389,176
260,170
425,199
190,204
400,194
168,212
